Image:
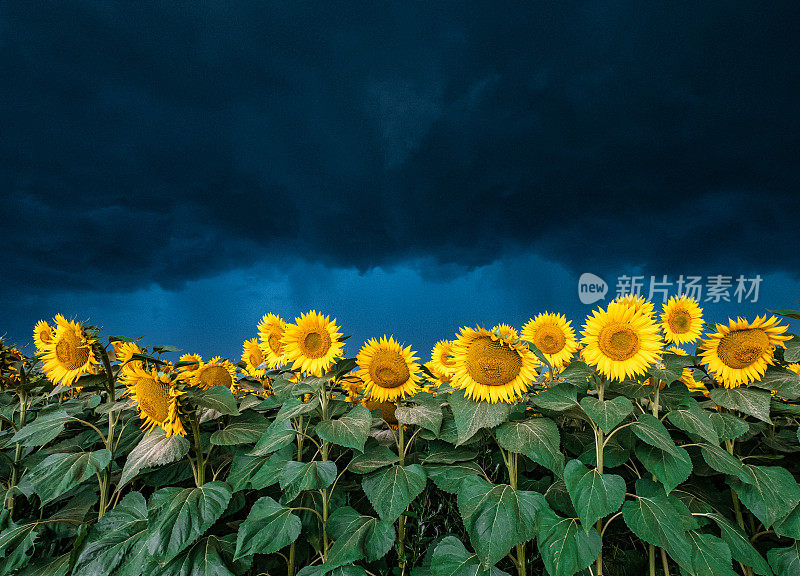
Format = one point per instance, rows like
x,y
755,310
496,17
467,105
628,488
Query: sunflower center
x,y
618,341
71,353
492,364
316,344
256,358
550,339
215,376
447,360
153,398
46,335
680,321
388,369
739,349
274,342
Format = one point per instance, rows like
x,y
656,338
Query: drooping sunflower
x,y
504,333
686,376
489,369
195,360
217,372
352,385
638,303
621,341
69,354
253,357
270,332
43,334
312,343
124,351
442,363
682,320
553,335
740,352
388,370
157,399
387,409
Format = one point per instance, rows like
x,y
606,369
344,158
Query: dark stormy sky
x,y
178,169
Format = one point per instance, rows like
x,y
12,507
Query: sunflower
x,y
352,385
69,354
686,376
217,372
124,351
740,352
505,333
9,374
270,331
195,360
156,396
490,369
253,357
442,364
439,377
638,303
312,343
794,367
621,341
682,320
388,370
553,335
43,334
387,411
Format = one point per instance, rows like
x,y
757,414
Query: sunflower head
x,y
217,372
124,351
9,373
157,399
504,333
270,332
740,352
312,343
43,334
442,363
387,411
686,375
553,335
195,359
352,385
388,370
682,320
491,369
253,357
621,341
69,354
794,367
638,303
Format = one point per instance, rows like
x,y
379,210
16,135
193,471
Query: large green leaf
x,y
356,537
785,561
669,469
650,430
694,420
740,546
203,558
244,429
440,452
566,548
217,398
114,537
722,461
340,571
537,438
42,430
497,517
258,472
374,457
557,398
294,407
593,495
299,476
673,365
60,472
153,450
771,494
176,517
427,416
279,434
471,416
451,558
267,528
350,431
710,555
448,477
790,525
745,399
58,566
392,489
15,543
577,373
786,383
728,426
607,414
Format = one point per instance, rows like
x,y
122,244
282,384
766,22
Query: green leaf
x,y
257,472
427,416
785,561
440,452
55,567
557,398
792,351
217,398
176,517
279,434
728,426
15,543
152,451
59,473
673,367
607,414
539,440
771,494
694,420
392,489
789,526
374,457
722,461
710,555
745,399
593,495
577,373
356,537
565,547
350,431
340,571
111,540
203,558
497,517
740,546
669,469
267,528
42,430
294,407
650,430
471,416
299,476
451,558
245,429
785,382
448,477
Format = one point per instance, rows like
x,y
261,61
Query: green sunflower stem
x,y
512,464
200,477
111,398
651,549
290,565
600,440
401,522
324,492
23,416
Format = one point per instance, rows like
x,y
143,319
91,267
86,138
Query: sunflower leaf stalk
x,y
111,398
200,469
600,440
401,521
23,415
512,464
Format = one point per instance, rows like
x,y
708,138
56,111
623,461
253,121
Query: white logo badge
x,y
591,288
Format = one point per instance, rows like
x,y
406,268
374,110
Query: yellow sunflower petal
x,y
69,354
270,332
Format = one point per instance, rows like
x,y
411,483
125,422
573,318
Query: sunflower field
x,y
648,442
